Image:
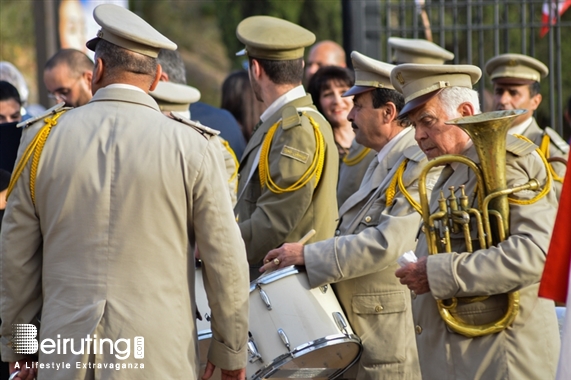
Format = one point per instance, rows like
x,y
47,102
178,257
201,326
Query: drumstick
x,y
303,240
307,236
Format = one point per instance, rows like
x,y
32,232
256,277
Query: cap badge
x,y
512,62
400,78
100,33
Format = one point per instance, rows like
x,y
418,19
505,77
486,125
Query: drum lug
x,y
324,288
284,339
340,321
253,349
265,297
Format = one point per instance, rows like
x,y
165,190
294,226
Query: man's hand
x,y
237,374
286,255
26,372
414,276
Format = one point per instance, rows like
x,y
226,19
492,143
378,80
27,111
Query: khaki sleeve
x,y
391,232
225,269
20,257
516,262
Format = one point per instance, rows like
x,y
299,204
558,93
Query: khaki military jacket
x,y
556,149
351,176
122,193
361,261
267,219
529,348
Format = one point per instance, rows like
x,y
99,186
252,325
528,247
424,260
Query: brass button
x,y
418,329
367,219
413,294
378,308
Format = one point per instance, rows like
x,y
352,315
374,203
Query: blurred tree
x,y
322,17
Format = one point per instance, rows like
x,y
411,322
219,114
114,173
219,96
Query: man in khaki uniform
x,y
174,100
95,242
288,173
516,80
378,224
355,164
528,347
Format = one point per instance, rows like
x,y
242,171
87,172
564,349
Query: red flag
x,y
555,278
563,5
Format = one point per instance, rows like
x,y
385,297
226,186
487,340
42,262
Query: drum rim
x,y
276,275
329,340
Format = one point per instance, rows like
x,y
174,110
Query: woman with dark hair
x,y
239,99
10,103
326,87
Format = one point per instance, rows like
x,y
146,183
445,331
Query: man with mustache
x,y
378,223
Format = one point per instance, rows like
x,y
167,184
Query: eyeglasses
x,y
63,92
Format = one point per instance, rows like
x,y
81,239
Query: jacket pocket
x,y
382,321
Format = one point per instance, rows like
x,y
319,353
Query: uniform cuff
x,y
224,357
441,276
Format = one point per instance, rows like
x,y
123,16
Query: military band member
x,y
527,348
378,224
177,98
98,227
405,50
288,173
516,79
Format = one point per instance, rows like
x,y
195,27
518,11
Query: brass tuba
x,y
488,133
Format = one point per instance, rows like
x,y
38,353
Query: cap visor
x,y
513,81
92,43
417,102
357,90
242,52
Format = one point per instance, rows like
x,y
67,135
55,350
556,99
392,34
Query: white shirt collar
x,y
125,86
291,95
387,148
520,128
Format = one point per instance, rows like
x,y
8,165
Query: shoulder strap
x,y
35,147
202,129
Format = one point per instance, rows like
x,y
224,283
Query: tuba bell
x,y
488,133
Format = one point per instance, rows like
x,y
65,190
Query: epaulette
x,y
58,107
518,146
290,118
556,140
414,153
202,129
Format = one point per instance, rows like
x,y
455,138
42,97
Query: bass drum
x,y
297,332
203,325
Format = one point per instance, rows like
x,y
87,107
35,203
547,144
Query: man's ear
x,y
535,102
389,112
157,77
88,76
98,70
256,68
164,76
466,109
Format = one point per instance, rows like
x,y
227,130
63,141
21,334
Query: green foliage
x,y
321,17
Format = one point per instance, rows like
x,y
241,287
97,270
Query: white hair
x,y
451,98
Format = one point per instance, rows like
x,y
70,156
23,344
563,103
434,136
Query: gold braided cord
x,y
398,179
547,186
314,170
544,147
35,147
236,162
358,158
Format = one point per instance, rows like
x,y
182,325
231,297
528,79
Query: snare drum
x,y
295,331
